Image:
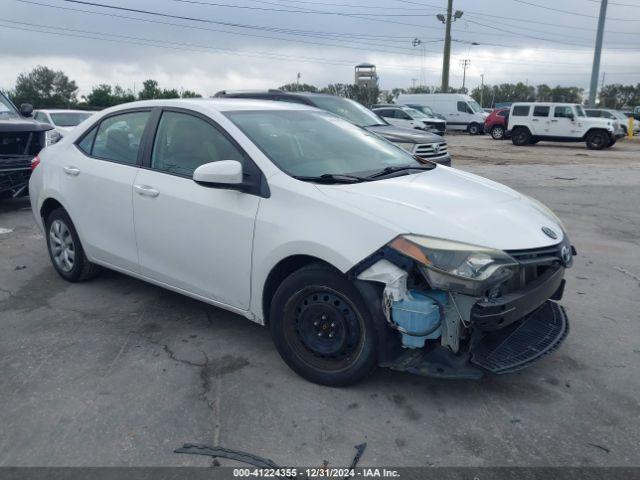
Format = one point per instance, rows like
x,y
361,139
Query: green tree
x,y
365,96
619,96
298,87
149,90
169,93
45,88
189,94
103,96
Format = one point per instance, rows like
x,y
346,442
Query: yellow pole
x,y
630,124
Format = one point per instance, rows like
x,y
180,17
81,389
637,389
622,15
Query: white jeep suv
x,y
560,122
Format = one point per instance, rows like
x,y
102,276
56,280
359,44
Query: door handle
x,y
146,190
554,120
72,171
535,120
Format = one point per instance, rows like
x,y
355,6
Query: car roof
x,y
215,104
562,104
274,92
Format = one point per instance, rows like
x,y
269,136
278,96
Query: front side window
x,y
385,113
41,117
6,106
402,115
313,143
184,142
563,112
462,107
594,113
118,137
521,111
540,111
580,111
503,113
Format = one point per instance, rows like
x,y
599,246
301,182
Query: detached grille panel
x,y
519,345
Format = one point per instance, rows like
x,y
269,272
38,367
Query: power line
x,y
147,12
32,27
525,2
325,35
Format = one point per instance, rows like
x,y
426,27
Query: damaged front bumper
x,y
471,336
14,176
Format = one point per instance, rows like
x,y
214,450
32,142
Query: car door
x,y
403,119
562,123
388,114
540,121
192,237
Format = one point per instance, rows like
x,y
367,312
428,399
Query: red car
x,y
496,123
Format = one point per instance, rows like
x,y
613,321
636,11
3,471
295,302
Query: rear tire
x,y
65,250
474,129
597,140
322,328
521,137
497,132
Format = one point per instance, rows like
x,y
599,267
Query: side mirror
x,y
26,109
572,117
219,174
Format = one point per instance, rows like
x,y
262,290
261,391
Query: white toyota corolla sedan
x,y
354,253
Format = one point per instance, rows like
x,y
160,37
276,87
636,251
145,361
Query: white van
x,y
460,111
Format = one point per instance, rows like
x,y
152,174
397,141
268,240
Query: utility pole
x,y
464,64
595,70
447,48
298,78
447,19
482,90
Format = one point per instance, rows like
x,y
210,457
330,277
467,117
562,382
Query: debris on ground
x,y
249,458
604,449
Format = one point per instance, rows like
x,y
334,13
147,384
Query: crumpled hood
x,y
454,205
15,124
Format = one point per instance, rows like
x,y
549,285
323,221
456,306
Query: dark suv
x,y
21,139
423,144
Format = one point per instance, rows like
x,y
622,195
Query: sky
x,y
247,44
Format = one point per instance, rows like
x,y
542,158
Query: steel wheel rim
x,y
63,251
324,329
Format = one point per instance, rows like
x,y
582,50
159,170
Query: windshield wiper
x,y
389,170
332,178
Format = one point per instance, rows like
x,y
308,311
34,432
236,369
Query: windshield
x,y
5,106
580,111
475,106
311,143
414,113
619,114
69,119
349,110
423,108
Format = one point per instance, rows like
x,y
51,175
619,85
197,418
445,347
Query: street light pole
x,y
595,70
447,48
482,90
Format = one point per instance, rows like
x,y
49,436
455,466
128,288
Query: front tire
x,y
474,129
497,132
65,250
597,140
322,327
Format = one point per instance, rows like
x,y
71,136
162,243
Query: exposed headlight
x,y
455,266
51,137
406,146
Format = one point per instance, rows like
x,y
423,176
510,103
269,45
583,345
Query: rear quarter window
x,y
521,111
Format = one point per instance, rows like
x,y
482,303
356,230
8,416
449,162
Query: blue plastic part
x,y
419,316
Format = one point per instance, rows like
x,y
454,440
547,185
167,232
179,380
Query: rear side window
x,y
402,115
385,113
541,111
184,142
521,111
593,113
118,137
87,142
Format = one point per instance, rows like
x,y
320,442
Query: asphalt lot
x,y
119,372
